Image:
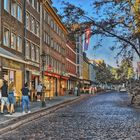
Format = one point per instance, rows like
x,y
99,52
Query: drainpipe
x,y
24,37
0,36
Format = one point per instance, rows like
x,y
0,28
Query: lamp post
x,y
43,58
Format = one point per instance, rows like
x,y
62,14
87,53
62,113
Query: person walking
x,y
39,91
4,96
25,98
11,97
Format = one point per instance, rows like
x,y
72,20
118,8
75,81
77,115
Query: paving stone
x,y
101,117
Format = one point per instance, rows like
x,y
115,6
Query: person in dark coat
x,y
4,96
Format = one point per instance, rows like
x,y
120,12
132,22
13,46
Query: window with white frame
x,y
52,24
32,52
27,20
14,9
7,5
48,40
6,37
32,24
37,54
37,28
19,13
38,7
19,44
27,50
13,41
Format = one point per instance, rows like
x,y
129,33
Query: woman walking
x,y
11,97
25,98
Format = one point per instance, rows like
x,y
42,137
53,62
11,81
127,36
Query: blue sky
x,y
102,52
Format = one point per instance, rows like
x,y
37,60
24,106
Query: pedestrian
x,y
4,96
11,97
39,91
76,91
25,98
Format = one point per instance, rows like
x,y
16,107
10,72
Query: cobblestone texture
x,y
102,117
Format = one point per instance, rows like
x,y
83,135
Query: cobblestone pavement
x,y
102,117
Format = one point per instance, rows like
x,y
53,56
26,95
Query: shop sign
x,y
65,78
52,74
33,64
11,64
35,72
86,82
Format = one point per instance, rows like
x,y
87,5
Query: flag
x,y
87,38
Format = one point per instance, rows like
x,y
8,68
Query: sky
x,y
102,52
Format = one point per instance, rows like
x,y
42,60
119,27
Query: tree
x,y
126,71
116,19
103,75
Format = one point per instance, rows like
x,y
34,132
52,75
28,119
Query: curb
x,y
16,122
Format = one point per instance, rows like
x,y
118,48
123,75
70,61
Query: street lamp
x,y
43,58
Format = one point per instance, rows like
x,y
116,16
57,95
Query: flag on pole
x,y
87,38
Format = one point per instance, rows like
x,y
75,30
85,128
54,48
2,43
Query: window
x,y
27,50
52,24
32,52
37,54
37,28
6,5
13,41
27,21
6,37
19,13
19,44
13,9
32,25
38,7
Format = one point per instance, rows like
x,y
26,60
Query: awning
x,y
6,54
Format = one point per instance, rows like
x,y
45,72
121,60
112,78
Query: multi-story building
x,y
79,55
53,44
71,64
85,71
12,61
28,29
31,41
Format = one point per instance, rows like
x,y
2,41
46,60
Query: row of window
x,y
52,23
32,51
53,44
35,4
56,65
14,8
71,55
32,24
10,39
71,68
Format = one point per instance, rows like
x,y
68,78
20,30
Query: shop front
x,y
32,77
51,82
55,84
13,71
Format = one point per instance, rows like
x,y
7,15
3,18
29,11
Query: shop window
x,y
19,44
27,21
6,37
19,13
27,50
6,5
13,41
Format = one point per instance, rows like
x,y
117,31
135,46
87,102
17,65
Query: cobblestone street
x,y
101,117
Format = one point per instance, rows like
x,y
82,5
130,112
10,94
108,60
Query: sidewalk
x,y
35,106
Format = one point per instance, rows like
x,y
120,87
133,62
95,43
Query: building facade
x,y
12,62
53,44
71,64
